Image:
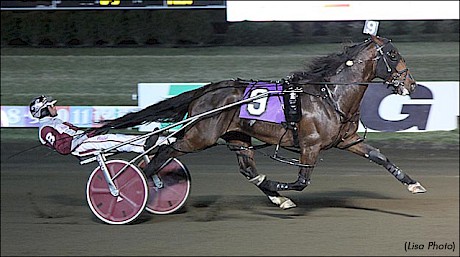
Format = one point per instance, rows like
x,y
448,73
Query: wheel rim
x,y
176,188
130,202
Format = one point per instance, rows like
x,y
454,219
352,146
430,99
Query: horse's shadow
x,y
212,208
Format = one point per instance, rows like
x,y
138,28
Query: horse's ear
x,y
376,39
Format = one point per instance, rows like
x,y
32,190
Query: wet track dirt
x,y
352,207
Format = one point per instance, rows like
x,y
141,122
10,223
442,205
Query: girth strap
x,y
295,131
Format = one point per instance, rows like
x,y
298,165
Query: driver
x,y
66,138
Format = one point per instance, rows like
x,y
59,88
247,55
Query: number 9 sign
x,y
371,27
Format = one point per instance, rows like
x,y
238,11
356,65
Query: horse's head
x,y
392,68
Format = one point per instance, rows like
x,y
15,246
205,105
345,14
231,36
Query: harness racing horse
x,y
330,94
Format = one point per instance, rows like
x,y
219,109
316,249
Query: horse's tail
x,y
169,110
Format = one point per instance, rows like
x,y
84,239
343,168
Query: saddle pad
x,y
265,109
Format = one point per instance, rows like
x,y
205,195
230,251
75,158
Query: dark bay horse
x,y
330,93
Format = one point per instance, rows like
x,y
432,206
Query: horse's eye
x,y
393,55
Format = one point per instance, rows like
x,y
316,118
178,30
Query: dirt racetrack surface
x,y
353,207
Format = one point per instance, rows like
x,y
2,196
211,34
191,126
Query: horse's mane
x,y
322,68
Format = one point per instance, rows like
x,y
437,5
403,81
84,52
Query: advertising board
x,y
339,10
433,106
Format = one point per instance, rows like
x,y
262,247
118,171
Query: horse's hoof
x,y
288,204
416,188
283,202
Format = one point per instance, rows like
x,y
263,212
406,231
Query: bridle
x,y
389,59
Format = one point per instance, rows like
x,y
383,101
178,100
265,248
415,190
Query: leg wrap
x,y
377,157
300,184
270,185
273,185
401,176
381,159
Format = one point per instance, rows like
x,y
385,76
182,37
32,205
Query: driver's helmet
x,y
38,106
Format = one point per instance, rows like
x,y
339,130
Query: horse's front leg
x,y
247,166
376,156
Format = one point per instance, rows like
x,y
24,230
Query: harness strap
x,y
379,49
292,109
327,95
295,131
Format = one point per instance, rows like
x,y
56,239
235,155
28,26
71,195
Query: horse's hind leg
x,y
240,144
193,141
376,156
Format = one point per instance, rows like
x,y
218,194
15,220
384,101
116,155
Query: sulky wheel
x,y
132,193
168,189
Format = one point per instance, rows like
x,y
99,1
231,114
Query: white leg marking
x,y
283,202
416,188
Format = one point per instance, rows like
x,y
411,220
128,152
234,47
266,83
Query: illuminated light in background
x,y
113,2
